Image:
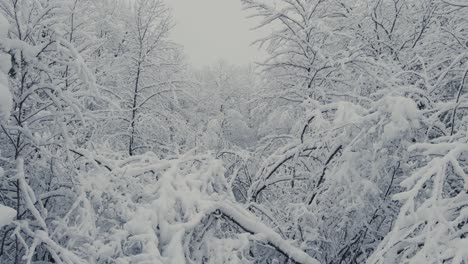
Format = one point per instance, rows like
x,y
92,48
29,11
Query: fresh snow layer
x,y
4,25
6,101
7,215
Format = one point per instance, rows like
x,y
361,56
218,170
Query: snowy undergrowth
x,y
148,210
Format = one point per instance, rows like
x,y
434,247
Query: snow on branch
x,y
252,225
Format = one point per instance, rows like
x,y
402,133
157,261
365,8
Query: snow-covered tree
x,y
377,70
52,90
141,72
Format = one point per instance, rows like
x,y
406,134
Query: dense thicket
x,y
348,144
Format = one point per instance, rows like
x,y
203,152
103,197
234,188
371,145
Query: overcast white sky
x,y
211,30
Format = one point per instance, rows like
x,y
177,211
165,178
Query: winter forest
x,y
347,144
